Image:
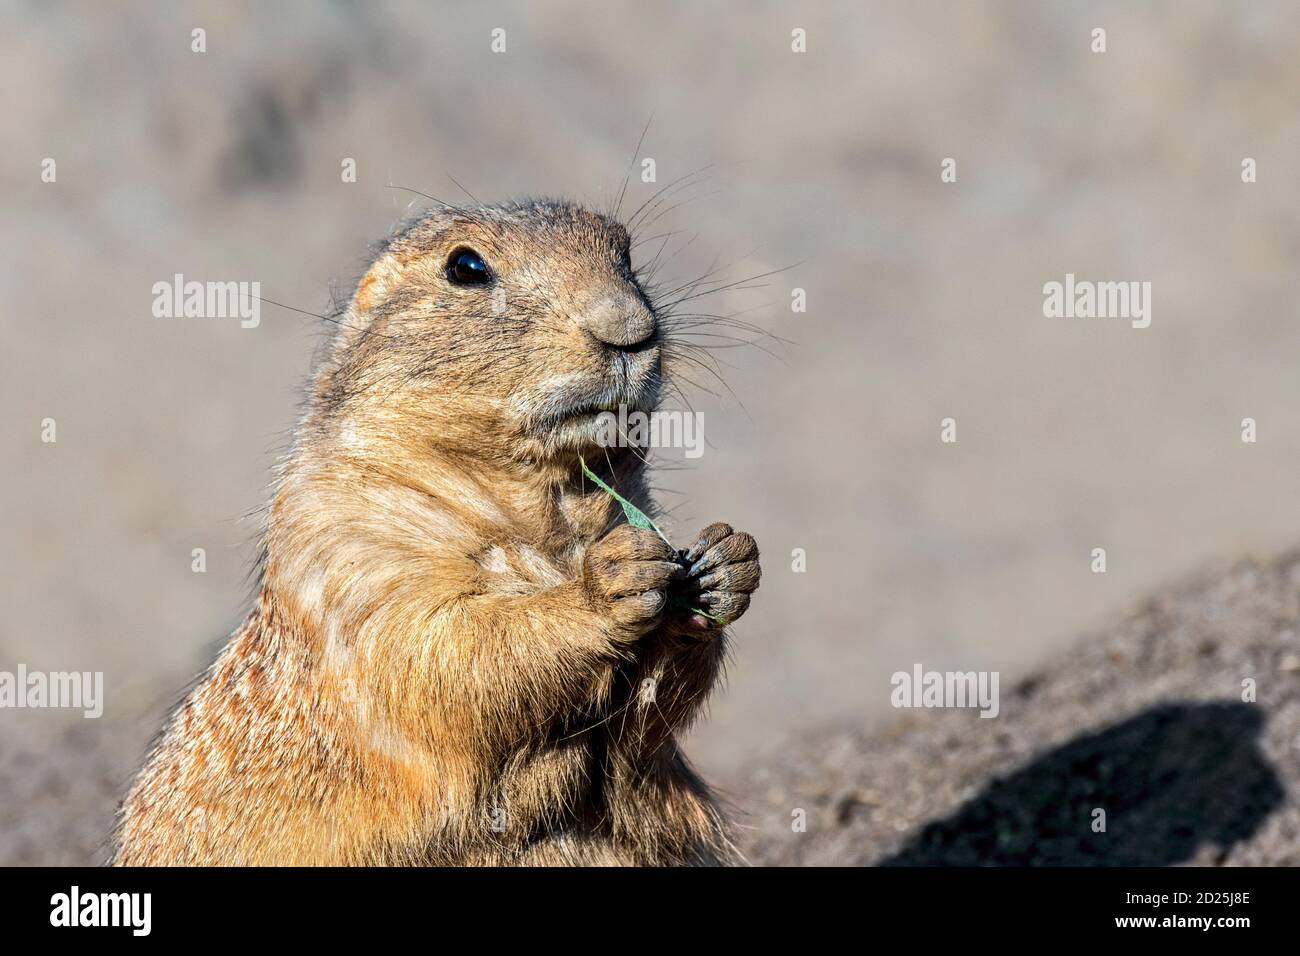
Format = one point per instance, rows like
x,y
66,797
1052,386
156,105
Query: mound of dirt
x,y
1152,722
59,787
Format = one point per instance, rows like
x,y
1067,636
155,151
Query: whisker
x,y
464,190
664,192
445,205
627,178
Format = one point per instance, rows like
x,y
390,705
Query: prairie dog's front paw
x,y
626,575
723,571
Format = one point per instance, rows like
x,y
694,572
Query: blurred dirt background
x,y
924,302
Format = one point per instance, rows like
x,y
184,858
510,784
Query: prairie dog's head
x,y
495,331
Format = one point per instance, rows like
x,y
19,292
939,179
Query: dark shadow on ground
x,y
1171,779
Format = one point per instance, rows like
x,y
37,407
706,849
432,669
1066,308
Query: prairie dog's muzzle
x,y
618,319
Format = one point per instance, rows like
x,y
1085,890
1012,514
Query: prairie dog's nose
x,y
618,319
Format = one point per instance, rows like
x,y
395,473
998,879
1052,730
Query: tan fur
x,y
448,656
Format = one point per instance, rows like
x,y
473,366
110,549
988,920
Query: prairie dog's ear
x,y
379,281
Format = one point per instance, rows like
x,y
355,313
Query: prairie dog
x,y
460,653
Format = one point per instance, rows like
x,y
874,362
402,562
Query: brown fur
x,y
448,656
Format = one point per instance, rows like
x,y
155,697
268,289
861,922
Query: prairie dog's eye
x,y
466,267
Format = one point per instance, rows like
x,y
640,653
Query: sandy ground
x,y
1151,721
924,302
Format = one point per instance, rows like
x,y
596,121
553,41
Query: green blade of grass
x,y
679,602
635,516
638,518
